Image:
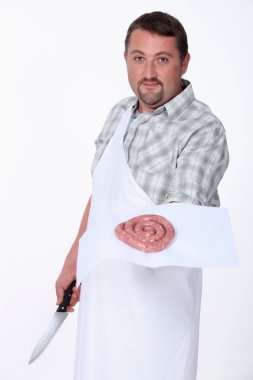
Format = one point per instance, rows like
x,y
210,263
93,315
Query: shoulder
x,y
122,105
115,114
201,118
113,118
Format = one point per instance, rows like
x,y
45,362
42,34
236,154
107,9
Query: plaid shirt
x,y
178,153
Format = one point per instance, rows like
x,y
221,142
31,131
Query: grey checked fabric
x,y
178,153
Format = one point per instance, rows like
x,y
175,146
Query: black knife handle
x,y
66,300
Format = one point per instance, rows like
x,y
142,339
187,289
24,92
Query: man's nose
x,y
149,69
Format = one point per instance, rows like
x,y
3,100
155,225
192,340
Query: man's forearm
x,y
84,221
68,272
72,255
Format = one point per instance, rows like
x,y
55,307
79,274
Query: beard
x,y
150,97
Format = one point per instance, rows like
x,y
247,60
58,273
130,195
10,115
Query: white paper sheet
x,y
203,239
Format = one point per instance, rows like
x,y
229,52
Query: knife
x,y
59,317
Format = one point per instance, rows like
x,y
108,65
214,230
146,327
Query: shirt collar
x,y
135,105
175,106
179,103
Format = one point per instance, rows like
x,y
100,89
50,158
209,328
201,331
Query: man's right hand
x,y
67,275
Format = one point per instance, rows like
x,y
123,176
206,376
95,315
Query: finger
x,y
74,299
75,296
76,292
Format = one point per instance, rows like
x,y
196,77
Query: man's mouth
x,y
150,84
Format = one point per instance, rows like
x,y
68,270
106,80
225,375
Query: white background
x,y
61,70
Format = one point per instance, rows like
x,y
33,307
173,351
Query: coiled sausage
x,y
148,233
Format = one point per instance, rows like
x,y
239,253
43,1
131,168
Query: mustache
x,y
153,80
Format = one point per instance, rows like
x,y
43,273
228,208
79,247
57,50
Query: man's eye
x,y
163,60
138,59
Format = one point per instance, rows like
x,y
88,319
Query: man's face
x,y
154,68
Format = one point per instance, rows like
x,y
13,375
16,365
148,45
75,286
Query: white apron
x,y
135,322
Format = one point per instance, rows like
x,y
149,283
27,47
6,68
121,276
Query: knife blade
x,y
58,318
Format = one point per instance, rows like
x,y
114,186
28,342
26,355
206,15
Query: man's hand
x,y
62,284
67,275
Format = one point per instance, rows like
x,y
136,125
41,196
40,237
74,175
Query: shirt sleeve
x,y
105,134
109,127
200,167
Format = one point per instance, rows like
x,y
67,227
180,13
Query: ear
x,y
185,63
125,55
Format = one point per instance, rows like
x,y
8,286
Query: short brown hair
x,y
163,24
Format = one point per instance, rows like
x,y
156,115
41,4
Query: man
x,y
176,151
